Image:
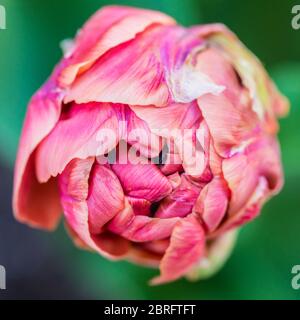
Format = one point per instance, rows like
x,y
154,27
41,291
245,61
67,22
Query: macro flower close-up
x,y
149,154
155,142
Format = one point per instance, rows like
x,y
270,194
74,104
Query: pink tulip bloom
x,y
136,84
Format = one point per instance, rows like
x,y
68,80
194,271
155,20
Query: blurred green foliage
x,y
260,267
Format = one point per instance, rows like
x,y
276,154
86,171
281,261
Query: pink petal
x,y
34,203
252,176
76,239
114,246
106,197
157,246
228,124
193,148
139,255
77,136
108,28
74,186
242,179
148,67
140,206
181,201
174,116
212,203
127,66
229,116
215,160
142,181
173,162
186,249
175,179
266,100
213,63
170,123
139,135
141,228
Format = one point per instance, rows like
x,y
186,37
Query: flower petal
x,y
34,203
139,255
186,249
125,74
140,206
157,246
266,100
106,197
143,181
139,135
181,201
146,71
229,124
175,116
141,228
212,203
173,123
252,177
108,28
215,65
74,187
217,253
79,135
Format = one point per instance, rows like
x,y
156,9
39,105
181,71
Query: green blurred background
x,y
41,265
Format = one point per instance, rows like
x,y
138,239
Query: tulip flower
x,y
156,142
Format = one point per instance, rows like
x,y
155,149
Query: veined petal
x,y
173,162
146,70
242,180
130,73
88,130
215,65
252,176
74,187
212,203
229,124
186,248
193,148
106,197
178,123
34,203
215,160
141,228
264,94
108,28
181,201
140,206
175,116
139,135
142,181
